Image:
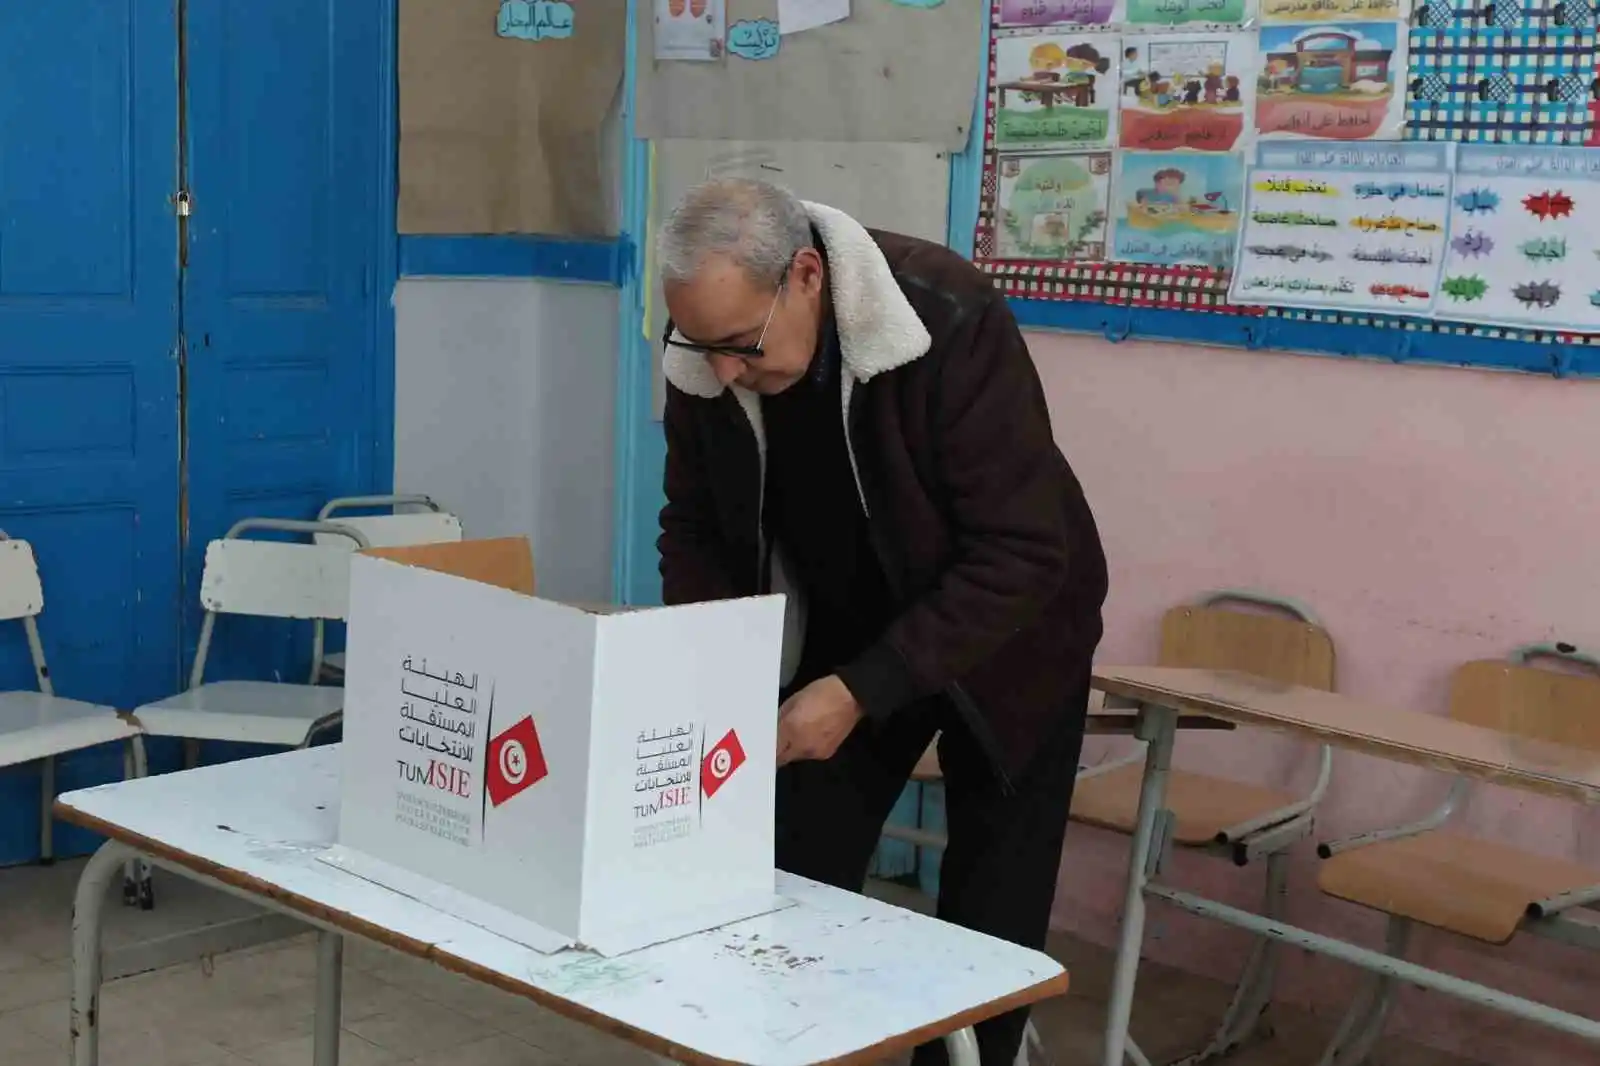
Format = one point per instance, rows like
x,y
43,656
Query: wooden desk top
x,y
1429,740
838,978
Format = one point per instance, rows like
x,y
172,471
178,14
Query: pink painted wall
x,y
1430,516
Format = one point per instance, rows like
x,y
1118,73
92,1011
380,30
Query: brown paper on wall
x,y
501,135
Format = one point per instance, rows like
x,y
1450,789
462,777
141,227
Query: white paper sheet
x,y
1358,227
1524,238
797,16
690,29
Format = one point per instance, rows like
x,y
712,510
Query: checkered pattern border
x,y
1500,73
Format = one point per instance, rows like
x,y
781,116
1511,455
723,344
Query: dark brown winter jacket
x,y
990,550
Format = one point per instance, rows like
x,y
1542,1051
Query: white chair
x,y
41,725
431,524
268,579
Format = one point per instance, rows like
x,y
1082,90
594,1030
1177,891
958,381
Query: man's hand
x,y
814,721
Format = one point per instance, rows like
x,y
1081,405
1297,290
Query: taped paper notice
x,y
797,16
690,29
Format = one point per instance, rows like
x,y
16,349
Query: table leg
x,y
962,1048
330,985
1157,725
88,908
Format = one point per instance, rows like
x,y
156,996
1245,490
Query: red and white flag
x,y
720,763
515,763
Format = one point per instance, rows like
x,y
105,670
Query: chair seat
x,y
1474,887
334,663
33,726
1202,806
255,712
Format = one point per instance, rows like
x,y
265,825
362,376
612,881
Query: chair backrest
x,y
401,530
275,579
1287,646
1530,701
21,594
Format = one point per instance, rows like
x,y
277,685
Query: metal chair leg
x,y
1363,1023
47,818
137,888
1245,1017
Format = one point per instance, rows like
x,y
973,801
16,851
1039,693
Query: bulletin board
x,y
1517,75
889,73
503,109
899,187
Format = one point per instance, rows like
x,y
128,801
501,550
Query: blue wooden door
x,y
88,371
286,157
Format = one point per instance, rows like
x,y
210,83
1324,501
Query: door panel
x,y
88,374
282,104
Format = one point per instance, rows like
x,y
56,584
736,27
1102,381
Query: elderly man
x,y
853,418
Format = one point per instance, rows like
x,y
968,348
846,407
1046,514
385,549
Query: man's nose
x,y
727,368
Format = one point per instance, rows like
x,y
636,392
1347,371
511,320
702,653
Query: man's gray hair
x,y
758,226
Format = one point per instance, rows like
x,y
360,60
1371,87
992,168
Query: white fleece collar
x,y
878,328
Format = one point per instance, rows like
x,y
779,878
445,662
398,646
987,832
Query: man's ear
x,y
808,273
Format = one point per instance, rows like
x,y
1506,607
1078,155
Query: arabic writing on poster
x,y
664,796
1335,81
1524,240
535,20
1351,228
1058,12
1335,10
1056,90
440,728
754,39
1188,12
1186,91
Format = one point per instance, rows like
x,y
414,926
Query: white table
x,y
1165,693
837,978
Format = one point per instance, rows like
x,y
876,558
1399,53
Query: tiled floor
x,y
254,1008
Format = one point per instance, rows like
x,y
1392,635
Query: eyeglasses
x,y
737,351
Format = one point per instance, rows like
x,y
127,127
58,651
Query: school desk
x,y
836,978
1163,694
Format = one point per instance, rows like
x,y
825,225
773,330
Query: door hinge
x,y
181,203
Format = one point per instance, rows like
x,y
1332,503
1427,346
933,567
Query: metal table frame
x,y
1151,843
106,865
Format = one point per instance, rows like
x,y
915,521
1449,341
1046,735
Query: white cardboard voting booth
x,y
556,774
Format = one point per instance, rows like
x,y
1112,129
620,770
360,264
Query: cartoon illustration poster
x,y
1304,11
1187,90
1053,207
1055,90
1189,12
1355,227
1177,208
1523,246
1340,81
1058,12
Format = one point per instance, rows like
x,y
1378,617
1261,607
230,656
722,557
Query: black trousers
x,y
999,870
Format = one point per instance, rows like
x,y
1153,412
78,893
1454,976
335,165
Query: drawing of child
x,y
1044,60
1213,83
1168,189
1191,93
1132,76
1162,91
1231,95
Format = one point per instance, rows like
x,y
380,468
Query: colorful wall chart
x,y
1054,207
1056,90
1338,81
1524,238
1188,90
1360,227
1171,209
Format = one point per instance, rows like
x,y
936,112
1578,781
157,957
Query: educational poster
x,y
1524,238
1354,228
1145,13
1339,81
690,29
1187,90
1055,90
1177,208
1303,11
1058,12
1054,207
